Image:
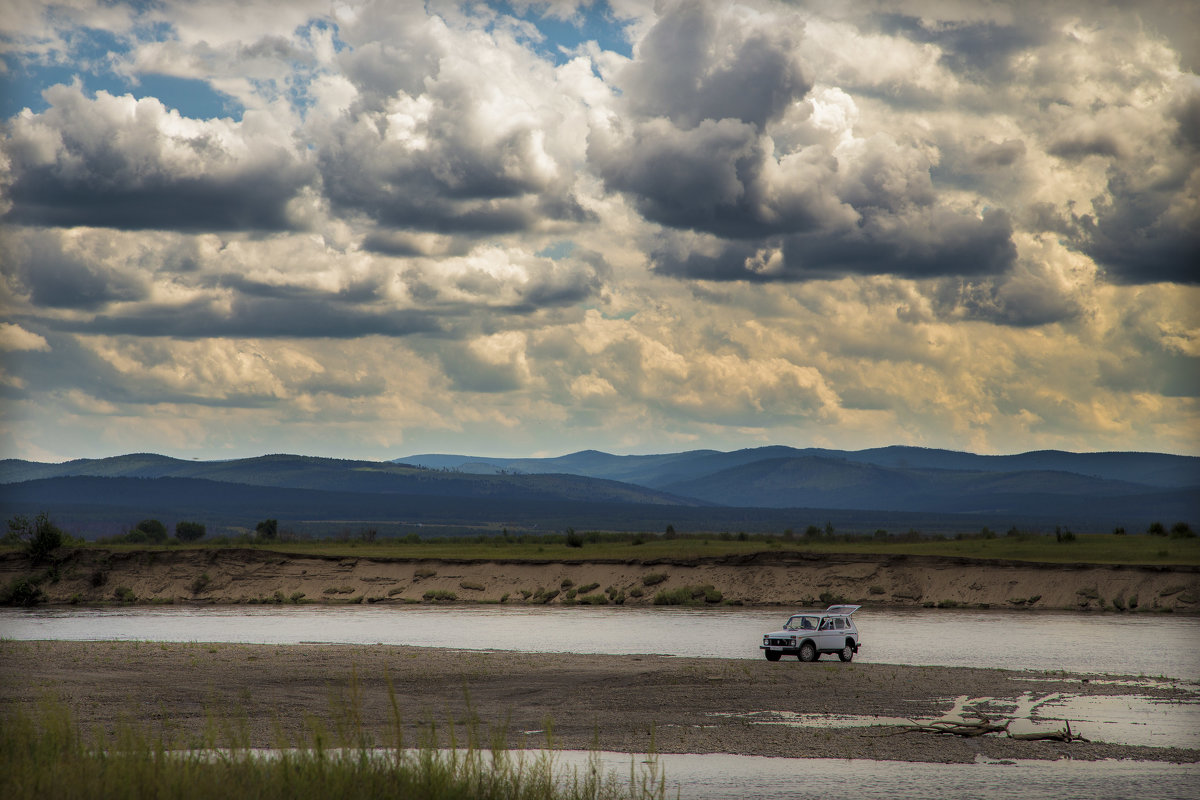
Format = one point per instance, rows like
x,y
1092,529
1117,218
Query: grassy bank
x,y
1078,549
45,754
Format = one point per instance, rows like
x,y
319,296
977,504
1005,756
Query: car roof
x,y
836,611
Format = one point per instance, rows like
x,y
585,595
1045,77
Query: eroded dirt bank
x,y
792,579
624,703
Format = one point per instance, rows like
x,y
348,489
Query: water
x,y
718,776
1158,645
1152,645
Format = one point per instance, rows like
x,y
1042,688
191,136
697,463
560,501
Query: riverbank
x,y
270,694
245,575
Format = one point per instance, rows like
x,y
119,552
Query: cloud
x,y
453,130
58,273
134,164
14,337
961,225
704,62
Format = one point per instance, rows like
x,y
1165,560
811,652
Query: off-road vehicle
x,y
809,634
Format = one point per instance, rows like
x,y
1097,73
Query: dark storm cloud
x,y
258,317
1016,301
251,201
456,184
697,153
940,243
55,277
1077,147
119,163
708,178
1141,238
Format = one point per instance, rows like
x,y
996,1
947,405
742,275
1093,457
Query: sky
x,y
370,229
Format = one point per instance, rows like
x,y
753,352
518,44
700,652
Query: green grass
x,y
45,754
1085,548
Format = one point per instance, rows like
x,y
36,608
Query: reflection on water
x,y
1151,645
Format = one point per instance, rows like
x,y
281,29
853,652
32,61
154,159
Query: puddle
x,y
1125,720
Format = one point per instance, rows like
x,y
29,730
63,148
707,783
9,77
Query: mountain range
x,y
752,489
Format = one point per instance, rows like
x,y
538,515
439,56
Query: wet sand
x,y
612,702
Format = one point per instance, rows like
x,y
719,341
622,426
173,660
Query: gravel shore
x,y
613,702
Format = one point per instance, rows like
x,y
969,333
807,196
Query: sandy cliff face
x,y
790,579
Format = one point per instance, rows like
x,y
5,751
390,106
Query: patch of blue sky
x,y
557,250
592,23
22,88
91,57
192,97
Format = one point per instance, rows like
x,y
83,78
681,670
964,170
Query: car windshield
x,y
801,622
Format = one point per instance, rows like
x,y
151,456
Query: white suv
x,y
808,634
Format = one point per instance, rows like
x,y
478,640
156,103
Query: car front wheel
x,y
808,652
772,655
847,653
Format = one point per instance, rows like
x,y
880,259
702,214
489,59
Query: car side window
x,y
839,624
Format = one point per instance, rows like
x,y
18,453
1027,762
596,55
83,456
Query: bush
x,y
267,530
439,596
42,537
474,586
688,596
189,531
201,583
543,596
1156,529
423,572
654,578
23,591
573,538
592,600
153,530
1181,530
124,594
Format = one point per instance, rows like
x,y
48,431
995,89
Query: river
x,y
1153,645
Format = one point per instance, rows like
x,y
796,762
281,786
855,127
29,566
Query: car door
x,y
828,637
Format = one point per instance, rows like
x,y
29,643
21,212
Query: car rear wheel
x,y
847,653
772,655
808,652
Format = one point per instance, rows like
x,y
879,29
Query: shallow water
x,y
1150,645
709,777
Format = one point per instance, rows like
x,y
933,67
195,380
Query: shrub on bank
x,y
688,596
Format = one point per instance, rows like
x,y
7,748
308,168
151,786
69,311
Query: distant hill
x,y
767,488
660,471
328,474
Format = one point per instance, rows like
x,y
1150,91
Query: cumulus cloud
x,y
964,225
453,130
135,164
805,198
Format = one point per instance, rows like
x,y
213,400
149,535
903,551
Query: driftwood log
x,y
1061,735
981,725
